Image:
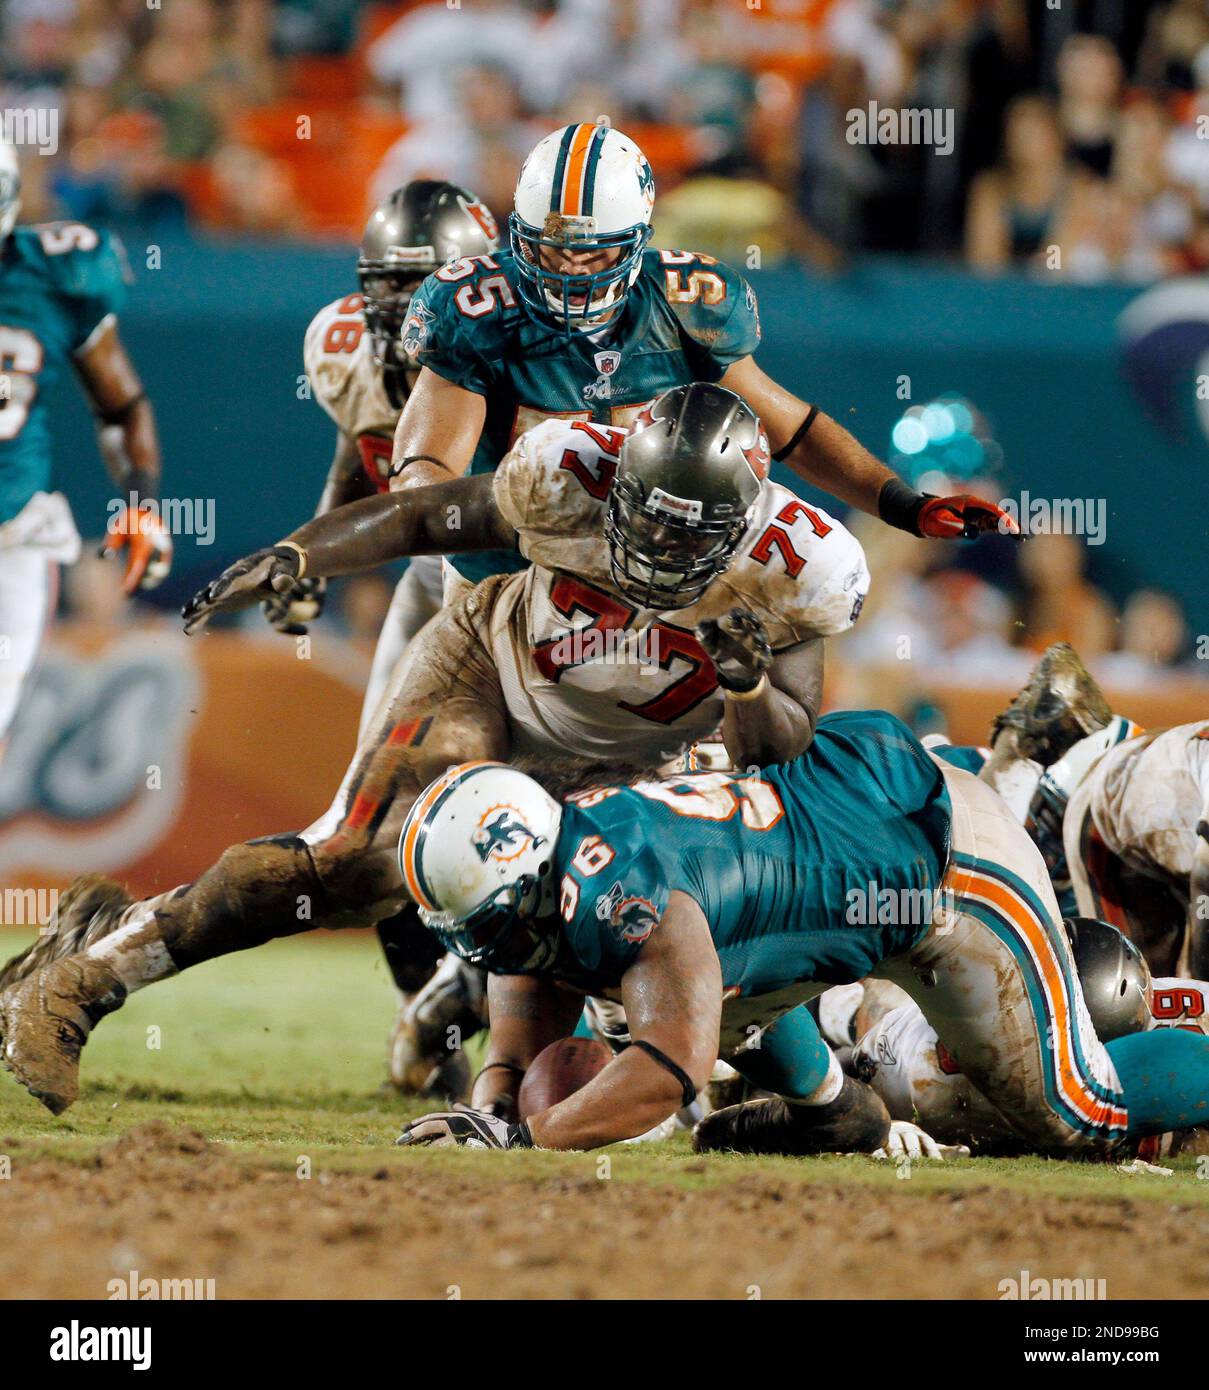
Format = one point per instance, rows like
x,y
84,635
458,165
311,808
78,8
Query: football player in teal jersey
x,y
714,905
580,318
62,286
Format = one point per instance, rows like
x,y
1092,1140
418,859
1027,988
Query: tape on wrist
x,y
753,694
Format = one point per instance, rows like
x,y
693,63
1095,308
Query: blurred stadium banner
x,y
145,758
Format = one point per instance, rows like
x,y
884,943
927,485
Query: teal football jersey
x,y
57,283
687,318
791,866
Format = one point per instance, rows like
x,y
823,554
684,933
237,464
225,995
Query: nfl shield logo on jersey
x,y
607,362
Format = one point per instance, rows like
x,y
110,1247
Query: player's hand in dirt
x,y
909,1141
738,646
292,611
950,518
254,579
470,1129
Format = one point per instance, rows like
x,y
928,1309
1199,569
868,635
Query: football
x,y
558,1071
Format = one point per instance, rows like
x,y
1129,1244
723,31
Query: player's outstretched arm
x,y
772,702
130,447
527,1014
460,515
673,1001
826,455
437,432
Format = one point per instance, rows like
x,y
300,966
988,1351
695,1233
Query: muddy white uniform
x,y
1145,798
351,388
584,670
906,1064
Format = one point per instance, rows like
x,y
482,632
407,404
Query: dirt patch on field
x,y
166,1203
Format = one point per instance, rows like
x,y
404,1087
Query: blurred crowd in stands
x,y
1081,126
1080,149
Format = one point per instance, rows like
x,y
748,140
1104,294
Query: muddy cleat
x,y
424,1053
1060,705
90,908
45,1021
856,1121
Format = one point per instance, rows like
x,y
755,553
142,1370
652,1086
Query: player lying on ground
x,y
362,377
673,589
717,903
61,288
886,1040
1120,814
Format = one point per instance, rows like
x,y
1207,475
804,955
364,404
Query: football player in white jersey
x,y
896,1050
672,589
361,376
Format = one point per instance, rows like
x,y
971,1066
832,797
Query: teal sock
x,y
792,1059
1165,1078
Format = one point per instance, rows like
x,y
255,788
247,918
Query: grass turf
x,y
279,1052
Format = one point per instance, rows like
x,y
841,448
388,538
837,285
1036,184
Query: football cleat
x,y
1060,705
90,908
425,1055
856,1121
45,1021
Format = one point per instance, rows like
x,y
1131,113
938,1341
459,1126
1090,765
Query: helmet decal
x,y
482,214
502,835
575,171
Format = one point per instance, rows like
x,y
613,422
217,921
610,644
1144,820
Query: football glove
x,y
139,533
909,1141
948,518
469,1129
738,646
253,579
292,611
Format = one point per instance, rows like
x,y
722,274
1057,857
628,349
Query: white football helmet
x,y
10,189
584,188
477,856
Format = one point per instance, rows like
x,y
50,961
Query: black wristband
x,y
898,504
686,1084
397,468
798,435
519,1136
501,1066
120,414
739,687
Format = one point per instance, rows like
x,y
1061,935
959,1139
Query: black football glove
x,y
253,579
738,646
292,611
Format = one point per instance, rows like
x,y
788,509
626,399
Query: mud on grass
x,y
254,1147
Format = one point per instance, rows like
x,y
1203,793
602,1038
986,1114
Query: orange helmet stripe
x,y
411,833
573,178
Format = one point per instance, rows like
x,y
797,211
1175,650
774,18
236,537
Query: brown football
x,y
558,1071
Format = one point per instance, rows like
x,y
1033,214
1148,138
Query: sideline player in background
x,y
62,285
